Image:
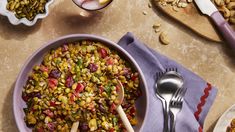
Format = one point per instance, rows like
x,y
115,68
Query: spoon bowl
x,y
168,84
120,111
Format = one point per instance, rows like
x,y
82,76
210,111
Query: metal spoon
x,y
120,111
166,87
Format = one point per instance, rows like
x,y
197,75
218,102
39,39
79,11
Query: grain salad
x,y
78,82
231,127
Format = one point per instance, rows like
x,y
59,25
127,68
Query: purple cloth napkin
x,y
198,98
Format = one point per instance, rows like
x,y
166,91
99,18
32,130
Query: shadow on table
x,y
211,128
7,120
230,56
19,32
75,21
79,21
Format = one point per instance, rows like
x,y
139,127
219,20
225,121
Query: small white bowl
x,y
15,21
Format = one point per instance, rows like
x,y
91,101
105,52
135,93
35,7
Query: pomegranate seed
x,y
79,88
101,108
55,73
40,129
43,68
84,127
118,87
69,81
112,108
101,89
52,82
127,73
37,95
132,111
65,48
25,97
52,103
48,113
93,67
109,61
51,126
133,78
72,98
128,117
103,52
111,130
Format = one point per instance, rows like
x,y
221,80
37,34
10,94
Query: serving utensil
x,y
120,111
167,84
75,127
208,8
176,105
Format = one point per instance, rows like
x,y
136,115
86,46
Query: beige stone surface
x,y
210,60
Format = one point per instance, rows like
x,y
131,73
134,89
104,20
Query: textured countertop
x,y
212,61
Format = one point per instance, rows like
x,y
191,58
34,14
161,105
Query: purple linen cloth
x,y
198,98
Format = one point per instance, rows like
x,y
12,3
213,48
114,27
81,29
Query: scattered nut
x,y
145,13
26,8
176,9
227,1
231,5
175,3
156,25
226,8
182,4
163,38
149,5
157,30
225,11
219,2
232,13
169,1
232,20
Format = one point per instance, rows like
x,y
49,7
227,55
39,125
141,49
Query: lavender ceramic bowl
x,y
36,58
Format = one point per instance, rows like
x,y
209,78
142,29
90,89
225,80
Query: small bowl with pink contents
x,y
92,5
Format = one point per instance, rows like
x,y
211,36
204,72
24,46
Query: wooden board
x,y
192,18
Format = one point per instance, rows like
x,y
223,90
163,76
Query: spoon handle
x,y
75,127
125,120
173,122
166,111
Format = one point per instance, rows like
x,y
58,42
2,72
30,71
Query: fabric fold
x,y
198,99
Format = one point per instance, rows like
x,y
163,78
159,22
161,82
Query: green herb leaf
x,y
80,61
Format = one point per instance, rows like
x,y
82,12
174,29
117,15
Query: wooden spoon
x,y
120,111
75,127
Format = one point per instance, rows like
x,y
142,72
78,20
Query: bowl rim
x,y
15,21
92,10
88,36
